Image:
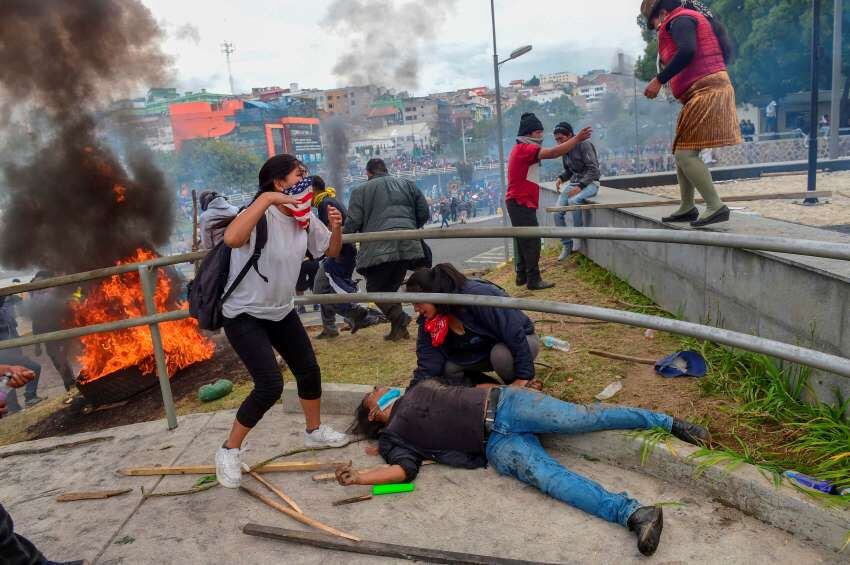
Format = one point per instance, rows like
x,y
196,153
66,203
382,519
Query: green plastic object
x,y
216,390
378,490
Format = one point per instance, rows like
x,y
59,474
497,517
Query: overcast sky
x,y
282,41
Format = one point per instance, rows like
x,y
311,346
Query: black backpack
x,y
207,292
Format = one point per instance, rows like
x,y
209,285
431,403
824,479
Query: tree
x,y
212,163
533,82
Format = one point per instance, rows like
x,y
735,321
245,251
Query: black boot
x,y
647,522
690,433
690,216
721,215
537,283
521,279
399,329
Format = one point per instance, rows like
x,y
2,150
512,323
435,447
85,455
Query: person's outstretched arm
x,y
388,475
567,146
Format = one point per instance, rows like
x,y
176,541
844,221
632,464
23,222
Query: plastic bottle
x,y
551,342
807,482
4,386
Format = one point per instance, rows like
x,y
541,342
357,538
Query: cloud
x,y
188,32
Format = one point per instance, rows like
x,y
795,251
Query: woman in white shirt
x,y
259,316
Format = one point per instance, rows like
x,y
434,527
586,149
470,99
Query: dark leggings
x,y
255,341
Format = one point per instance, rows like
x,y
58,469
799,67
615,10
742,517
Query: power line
x,y
227,49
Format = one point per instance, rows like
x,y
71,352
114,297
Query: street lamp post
x,y
500,124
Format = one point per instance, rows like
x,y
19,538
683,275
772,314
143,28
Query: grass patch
x,y
651,438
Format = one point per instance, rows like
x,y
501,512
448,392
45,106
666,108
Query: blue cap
x,y
682,364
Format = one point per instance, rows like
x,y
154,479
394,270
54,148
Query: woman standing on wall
x,y
693,50
259,316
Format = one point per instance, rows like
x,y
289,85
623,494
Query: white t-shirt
x,y
280,262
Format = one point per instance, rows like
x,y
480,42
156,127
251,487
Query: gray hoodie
x,y
214,220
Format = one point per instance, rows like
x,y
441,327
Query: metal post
x,y
463,138
501,128
637,135
813,108
147,275
837,80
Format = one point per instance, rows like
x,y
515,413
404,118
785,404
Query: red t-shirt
x,y
524,175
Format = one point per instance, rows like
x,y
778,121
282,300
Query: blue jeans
x,y
564,199
15,356
514,449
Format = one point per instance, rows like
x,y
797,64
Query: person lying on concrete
x,y
455,340
523,196
470,427
581,175
336,274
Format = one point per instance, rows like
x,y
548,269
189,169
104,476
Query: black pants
x,y
309,268
15,549
57,351
528,256
255,341
388,277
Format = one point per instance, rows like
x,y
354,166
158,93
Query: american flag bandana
x,y
303,191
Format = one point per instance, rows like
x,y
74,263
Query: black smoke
x,y
384,38
337,145
70,201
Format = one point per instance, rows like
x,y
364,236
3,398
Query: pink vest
x,y
707,60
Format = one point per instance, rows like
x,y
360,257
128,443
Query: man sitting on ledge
x,y
469,427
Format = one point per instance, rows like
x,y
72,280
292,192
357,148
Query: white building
x,y
593,93
558,80
546,97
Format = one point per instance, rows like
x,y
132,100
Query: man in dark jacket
x,y
470,427
581,175
385,203
15,356
335,274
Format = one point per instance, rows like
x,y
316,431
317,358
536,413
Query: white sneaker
x,y
324,436
228,468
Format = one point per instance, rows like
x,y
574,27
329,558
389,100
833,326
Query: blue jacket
x,y
500,325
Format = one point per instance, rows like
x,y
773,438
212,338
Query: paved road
x,y
470,253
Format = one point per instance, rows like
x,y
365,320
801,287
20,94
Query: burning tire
x,y
116,386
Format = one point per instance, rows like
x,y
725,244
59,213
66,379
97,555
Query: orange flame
x,y
120,297
120,193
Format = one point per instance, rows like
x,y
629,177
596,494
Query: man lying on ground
x,y
469,427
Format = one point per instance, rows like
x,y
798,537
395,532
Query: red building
x,y
194,120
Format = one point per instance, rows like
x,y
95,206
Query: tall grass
x,y
786,431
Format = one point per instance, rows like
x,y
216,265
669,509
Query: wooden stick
x,y
276,490
300,517
289,467
94,495
363,498
316,539
671,202
619,357
36,450
195,242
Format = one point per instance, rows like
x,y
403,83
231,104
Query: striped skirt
x,y
708,118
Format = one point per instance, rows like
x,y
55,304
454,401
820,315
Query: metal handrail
x,y
812,248
785,351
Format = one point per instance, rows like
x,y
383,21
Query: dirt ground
x,y
836,212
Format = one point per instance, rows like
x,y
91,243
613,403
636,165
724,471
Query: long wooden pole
x,y
366,547
671,202
195,244
619,357
283,496
289,467
300,517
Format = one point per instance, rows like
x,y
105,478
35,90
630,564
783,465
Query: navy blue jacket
x,y
499,325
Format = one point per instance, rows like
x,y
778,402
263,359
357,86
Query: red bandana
x,y
438,327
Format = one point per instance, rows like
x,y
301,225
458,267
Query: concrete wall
x,y
797,300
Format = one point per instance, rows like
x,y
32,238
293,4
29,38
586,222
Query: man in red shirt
x,y
523,195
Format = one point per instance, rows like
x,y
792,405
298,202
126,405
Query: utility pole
x,y
463,137
813,108
227,49
837,81
501,129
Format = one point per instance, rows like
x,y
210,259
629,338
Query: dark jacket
x,y
500,325
8,321
581,165
386,203
341,268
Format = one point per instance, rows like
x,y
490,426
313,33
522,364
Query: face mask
x,y
388,398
